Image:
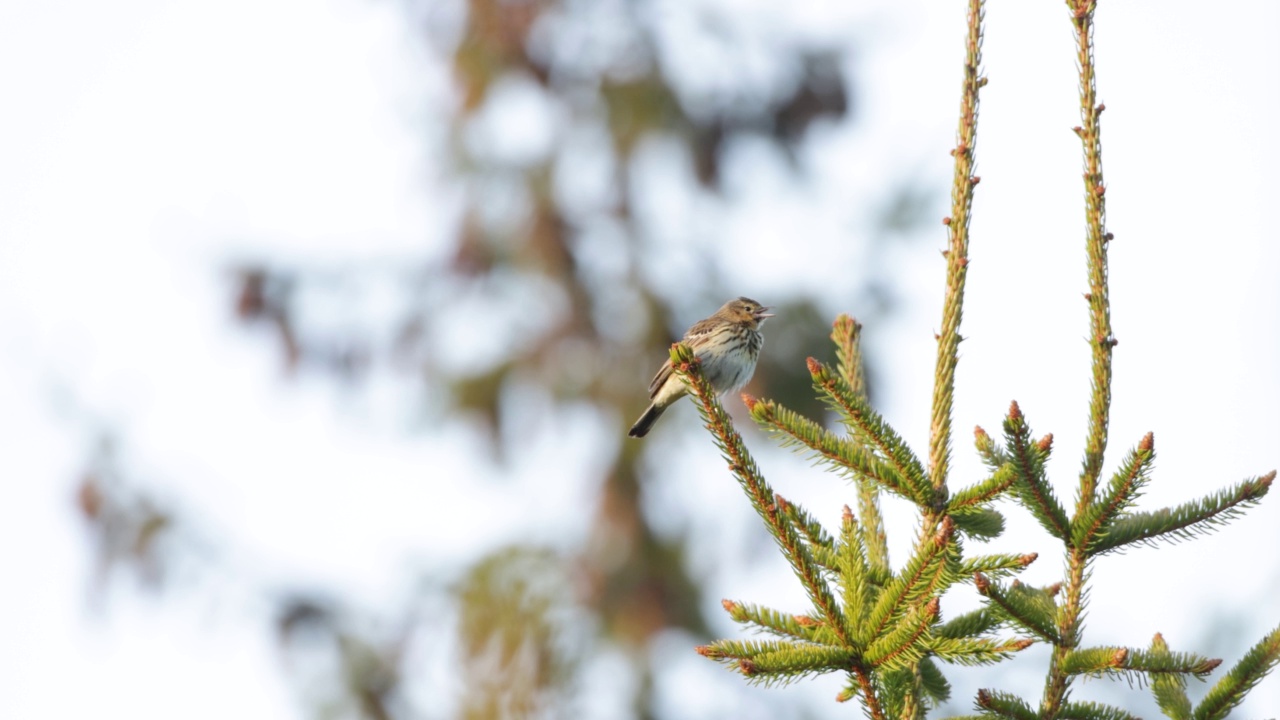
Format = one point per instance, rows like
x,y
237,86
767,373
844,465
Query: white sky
x,y
144,145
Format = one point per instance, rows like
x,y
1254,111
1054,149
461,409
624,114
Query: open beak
x,y
763,313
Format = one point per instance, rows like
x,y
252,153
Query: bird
x,y
728,344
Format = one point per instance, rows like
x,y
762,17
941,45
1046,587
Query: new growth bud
x,y
982,440
981,582
1045,444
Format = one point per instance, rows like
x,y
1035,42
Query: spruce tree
x,y
882,625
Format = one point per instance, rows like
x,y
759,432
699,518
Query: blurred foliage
x,y
129,530
554,273
514,629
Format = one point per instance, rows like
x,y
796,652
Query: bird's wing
x,y
700,330
658,380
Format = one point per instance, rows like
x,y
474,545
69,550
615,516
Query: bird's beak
x,y
763,313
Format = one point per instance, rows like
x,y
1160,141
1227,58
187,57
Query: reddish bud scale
x,y
1015,412
1119,657
1027,559
730,606
781,502
1045,444
1148,442
933,608
806,621
945,531
815,367
847,515
749,401
746,667
981,582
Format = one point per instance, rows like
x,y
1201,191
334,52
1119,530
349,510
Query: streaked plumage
x,y
728,344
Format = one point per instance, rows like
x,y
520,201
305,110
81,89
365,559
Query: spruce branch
x,y
996,566
899,690
1186,521
871,525
1169,663
811,531
795,430
926,576
776,661
987,450
979,522
1033,487
1032,610
1231,689
957,252
743,466
805,524
1101,340
1093,711
976,651
879,437
1124,488
854,573
933,682
846,333
774,622
971,624
1169,689
1094,661
1004,705
904,644
786,665
985,491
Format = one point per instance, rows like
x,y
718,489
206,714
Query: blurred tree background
x,y
590,153
380,461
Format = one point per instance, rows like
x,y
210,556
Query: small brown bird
x,y
728,344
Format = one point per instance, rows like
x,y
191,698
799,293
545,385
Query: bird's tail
x,y
646,421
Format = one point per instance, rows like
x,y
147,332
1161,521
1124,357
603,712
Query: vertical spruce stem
x,y
1101,340
957,254
1101,343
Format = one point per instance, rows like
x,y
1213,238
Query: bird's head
x,y
745,310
